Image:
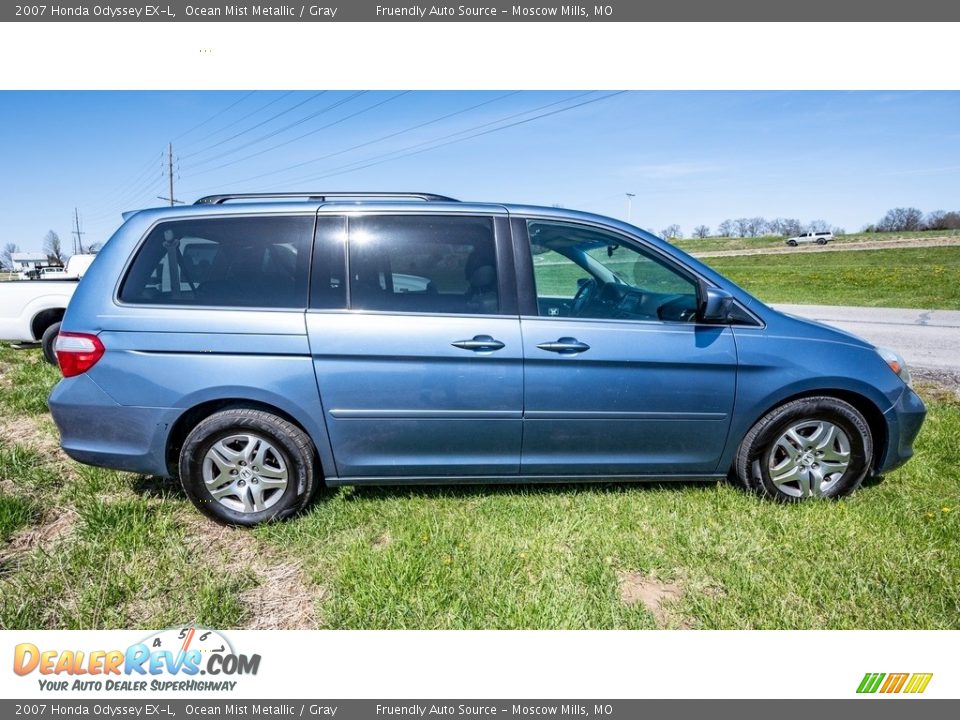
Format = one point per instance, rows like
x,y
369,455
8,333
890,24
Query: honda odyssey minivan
x,y
258,346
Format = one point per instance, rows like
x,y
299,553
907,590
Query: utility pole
x,y
630,197
173,201
77,232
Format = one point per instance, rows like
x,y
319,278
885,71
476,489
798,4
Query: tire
x,y
821,242
47,341
232,441
765,465
792,243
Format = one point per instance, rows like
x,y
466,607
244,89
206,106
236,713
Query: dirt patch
x,y
655,595
383,541
283,599
836,247
53,526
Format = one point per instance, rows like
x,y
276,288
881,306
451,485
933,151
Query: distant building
x,y
25,261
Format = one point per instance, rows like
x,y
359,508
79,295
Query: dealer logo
x,y
169,660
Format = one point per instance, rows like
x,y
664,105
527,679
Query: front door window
x,y
584,272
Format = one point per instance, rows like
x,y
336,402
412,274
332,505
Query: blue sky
x,y
690,157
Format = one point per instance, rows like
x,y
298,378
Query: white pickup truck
x,y
31,310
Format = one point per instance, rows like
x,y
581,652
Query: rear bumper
x,y
95,430
904,420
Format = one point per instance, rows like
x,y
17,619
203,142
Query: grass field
x,y
910,278
85,548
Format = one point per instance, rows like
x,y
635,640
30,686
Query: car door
x,y
619,378
422,375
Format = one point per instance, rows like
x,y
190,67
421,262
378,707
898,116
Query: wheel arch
x,y
864,405
196,414
44,319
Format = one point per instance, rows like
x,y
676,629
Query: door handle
x,y
565,346
480,343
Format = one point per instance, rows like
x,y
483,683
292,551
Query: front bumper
x,y
95,430
904,420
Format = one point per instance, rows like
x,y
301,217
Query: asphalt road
x,y
927,339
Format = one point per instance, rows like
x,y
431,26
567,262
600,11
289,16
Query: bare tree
x,y
791,227
818,226
951,221
743,226
934,220
701,231
757,226
53,248
725,229
901,220
6,257
672,231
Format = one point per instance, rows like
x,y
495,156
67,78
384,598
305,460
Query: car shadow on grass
x,y
153,486
472,490
160,488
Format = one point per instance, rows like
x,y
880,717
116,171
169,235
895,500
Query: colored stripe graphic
x,y
918,682
894,683
870,682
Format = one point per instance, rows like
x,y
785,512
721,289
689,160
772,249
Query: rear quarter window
x,y
258,262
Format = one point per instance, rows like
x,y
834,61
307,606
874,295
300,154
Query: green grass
x,y
15,513
713,244
913,278
27,381
136,554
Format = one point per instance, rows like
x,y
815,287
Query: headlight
x,y
897,364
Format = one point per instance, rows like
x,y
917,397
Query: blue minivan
x,y
259,345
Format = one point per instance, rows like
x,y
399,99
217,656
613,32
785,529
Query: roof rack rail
x,y
320,196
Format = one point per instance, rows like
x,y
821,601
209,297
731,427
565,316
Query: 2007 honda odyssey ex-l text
x,y
258,346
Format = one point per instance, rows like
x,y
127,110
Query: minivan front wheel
x,y
817,447
245,467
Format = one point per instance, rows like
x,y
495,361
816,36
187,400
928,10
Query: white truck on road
x,y
31,310
820,238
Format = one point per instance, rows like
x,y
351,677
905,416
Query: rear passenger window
x,y
419,263
225,262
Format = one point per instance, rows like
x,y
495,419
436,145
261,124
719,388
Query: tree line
x,y
895,220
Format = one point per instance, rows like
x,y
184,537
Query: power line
x,y
237,122
360,166
107,199
274,133
259,124
384,137
426,142
215,115
330,124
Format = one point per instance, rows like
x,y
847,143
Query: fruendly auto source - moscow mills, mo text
x,y
253,11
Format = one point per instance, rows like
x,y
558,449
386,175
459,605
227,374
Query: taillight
x,y
77,352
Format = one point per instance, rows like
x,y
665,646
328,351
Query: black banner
x,y
487,11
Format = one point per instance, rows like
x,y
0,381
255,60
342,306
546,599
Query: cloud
x,y
669,171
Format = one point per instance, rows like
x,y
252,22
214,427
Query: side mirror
x,y
715,304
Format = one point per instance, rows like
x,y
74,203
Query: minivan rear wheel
x,y
817,447
245,467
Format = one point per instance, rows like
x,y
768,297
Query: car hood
x,y
782,323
